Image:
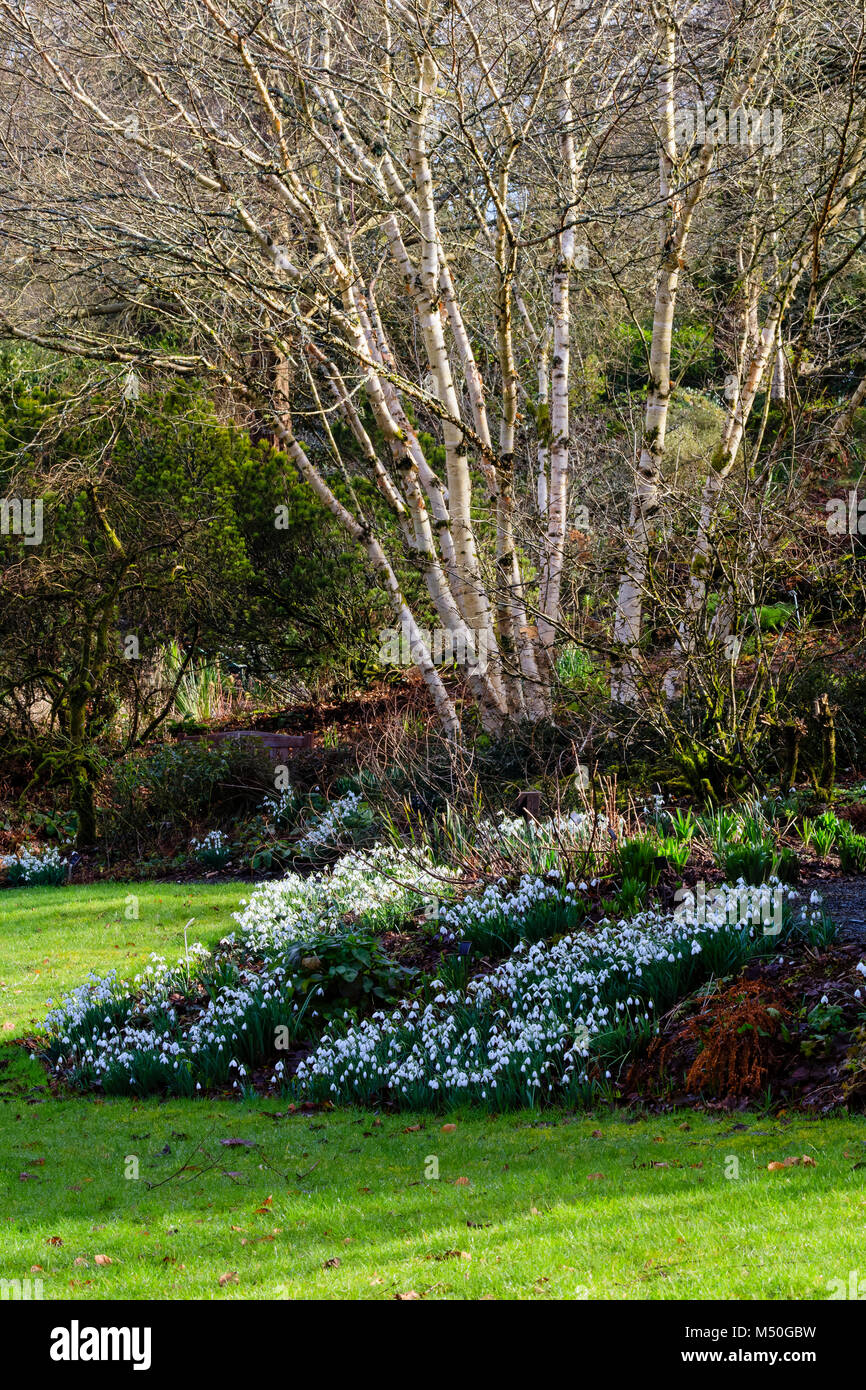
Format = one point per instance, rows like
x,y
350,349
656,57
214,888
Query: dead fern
x,y
736,1034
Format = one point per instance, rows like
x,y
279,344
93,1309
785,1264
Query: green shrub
x,y
752,862
852,850
182,785
640,859
676,852
788,866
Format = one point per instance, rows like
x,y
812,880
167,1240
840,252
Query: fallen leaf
x,y
80,1260
596,1134
807,1161
332,1263
461,1182
448,1129
102,1260
409,1297
230,1277
54,1240
595,1177
238,1143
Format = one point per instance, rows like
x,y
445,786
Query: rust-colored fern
x,y
736,1033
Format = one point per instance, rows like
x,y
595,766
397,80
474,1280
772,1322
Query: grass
x,y
51,937
337,1205
344,1204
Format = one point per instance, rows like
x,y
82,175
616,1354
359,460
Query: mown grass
x,y
338,1205
51,937
345,1204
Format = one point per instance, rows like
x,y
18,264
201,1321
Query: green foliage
x,y
774,616
852,850
575,668
639,860
751,861
676,852
682,825
349,972
719,826
788,865
181,785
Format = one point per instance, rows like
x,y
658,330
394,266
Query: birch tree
x,y
365,192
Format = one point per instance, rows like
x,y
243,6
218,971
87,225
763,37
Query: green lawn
x,y
347,1205
51,937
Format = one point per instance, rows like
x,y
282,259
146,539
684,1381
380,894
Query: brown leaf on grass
x,y
80,1260
807,1161
596,1134
264,1209
409,1297
449,1255
461,1182
238,1143
448,1129
54,1240
102,1260
412,1129
332,1263
230,1277
36,1269
23,1177
595,1177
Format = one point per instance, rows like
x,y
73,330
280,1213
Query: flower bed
x,y
536,1027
